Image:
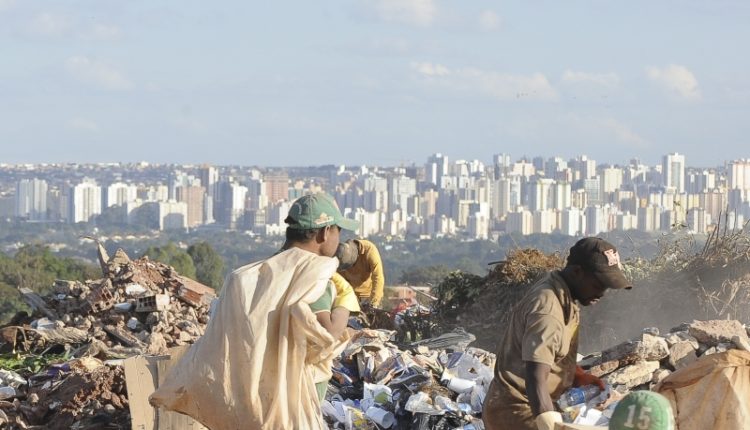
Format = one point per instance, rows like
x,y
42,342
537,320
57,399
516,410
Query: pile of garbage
x,y
82,331
437,383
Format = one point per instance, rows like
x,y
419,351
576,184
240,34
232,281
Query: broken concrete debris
x,y
641,364
86,328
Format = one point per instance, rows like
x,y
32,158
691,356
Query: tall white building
x,y
698,220
573,222
673,171
593,191
561,196
436,167
585,167
739,174
520,221
649,218
544,221
172,215
120,193
540,194
502,164
31,199
597,220
400,188
611,180
86,201
237,204
500,202
479,226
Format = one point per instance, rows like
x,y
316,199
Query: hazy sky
x,y
372,81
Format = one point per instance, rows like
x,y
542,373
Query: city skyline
x,y
371,82
441,197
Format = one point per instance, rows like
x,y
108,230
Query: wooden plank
x,y
140,377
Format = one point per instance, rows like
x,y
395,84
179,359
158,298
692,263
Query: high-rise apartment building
x,y
119,193
194,198
436,167
501,164
85,201
611,180
172,215
739,174
673,171
277,187
400,188
31,199
592,187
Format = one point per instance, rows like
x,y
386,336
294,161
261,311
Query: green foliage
x,y
400,258
36,267
30,363
209,266
424,275
457,290
172,255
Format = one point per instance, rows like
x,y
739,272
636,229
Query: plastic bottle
x,y
578,395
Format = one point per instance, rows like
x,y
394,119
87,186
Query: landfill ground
x,y
62,366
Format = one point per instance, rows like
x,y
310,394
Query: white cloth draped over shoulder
x,y
255,365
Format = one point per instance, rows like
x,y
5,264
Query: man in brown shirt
x,y
536,358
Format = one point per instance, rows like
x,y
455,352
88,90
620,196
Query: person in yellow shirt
x,y
361,266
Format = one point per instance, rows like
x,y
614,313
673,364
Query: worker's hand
x,y
582,378
547,420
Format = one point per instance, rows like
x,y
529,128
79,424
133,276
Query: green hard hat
x,y
642,410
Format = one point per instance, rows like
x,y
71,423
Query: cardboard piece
x,y
143,374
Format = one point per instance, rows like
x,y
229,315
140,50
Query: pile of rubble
x,y
138,307
437,383
643,363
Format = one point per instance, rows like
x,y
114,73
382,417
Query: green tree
x,y
424,275
209,266
172,255
36,267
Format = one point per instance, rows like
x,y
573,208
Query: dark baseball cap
x,y
316,211
600,258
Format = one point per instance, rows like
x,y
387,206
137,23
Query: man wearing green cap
x,y
267,352
536,358
314,224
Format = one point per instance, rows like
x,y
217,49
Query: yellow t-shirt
x,y
366,275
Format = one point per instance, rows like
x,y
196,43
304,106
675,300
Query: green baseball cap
x,y
642,410
317,211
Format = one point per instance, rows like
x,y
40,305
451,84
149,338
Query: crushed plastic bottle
x,y
578,395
